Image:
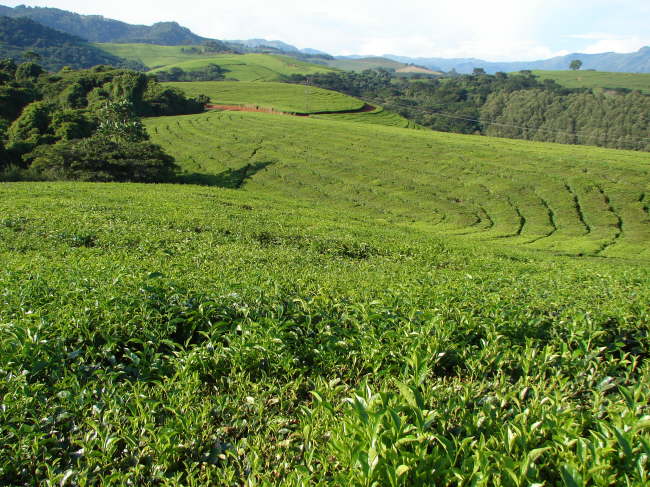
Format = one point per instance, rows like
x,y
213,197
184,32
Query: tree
x,y
100,159
32,56
118,122
576,64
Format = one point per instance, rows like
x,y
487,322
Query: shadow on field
x,y
231,178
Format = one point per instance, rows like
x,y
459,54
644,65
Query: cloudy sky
x,y
495,30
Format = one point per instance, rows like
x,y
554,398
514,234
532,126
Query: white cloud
x,y
620,44
494,30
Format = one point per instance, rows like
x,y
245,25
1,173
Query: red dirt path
x,y
240,108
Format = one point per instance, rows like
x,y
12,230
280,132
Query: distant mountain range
x,y
636,62
279,45
95,28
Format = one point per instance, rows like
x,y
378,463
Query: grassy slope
x,y
571,199
293,99
247,67
379,116
365,63
173,334
253,67
598,79
195,335
151,55
280,96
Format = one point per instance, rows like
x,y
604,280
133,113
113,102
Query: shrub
x,y
100,159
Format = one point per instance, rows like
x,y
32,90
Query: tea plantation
x,y
334,303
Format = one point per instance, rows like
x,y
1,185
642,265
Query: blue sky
x,y
496,30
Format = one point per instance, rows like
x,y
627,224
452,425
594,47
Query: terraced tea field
x,y
245,67
291,98
378,116
251,67
152,55
575,200
598,79
279,96
337,303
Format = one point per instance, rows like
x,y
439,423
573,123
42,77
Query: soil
x,y
240,108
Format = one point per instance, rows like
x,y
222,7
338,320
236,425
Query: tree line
x,y
515,105
84,124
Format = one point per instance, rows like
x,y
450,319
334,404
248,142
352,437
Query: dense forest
x,y
83,125
25,40
505,105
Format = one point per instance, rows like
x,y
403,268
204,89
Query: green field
x,y
541,196
252,67
598,79
365,63
335,304
378,116
290,98
279,96
152,55
241,67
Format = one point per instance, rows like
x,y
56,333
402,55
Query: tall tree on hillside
x,y
576,64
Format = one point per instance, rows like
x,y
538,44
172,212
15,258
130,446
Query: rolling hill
x,y
362,63
241,67
635,62
292,99
477,186
598,79
335,303
95,28
282,97
155,56
56,49
251,67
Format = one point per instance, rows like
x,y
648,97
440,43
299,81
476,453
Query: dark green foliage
x,y
517,106
28,71
13,98
160,100
39,109
618,121
31,128
98,158
71,124
575,65
25,39
211,72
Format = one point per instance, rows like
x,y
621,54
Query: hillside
x,y
155,56
279,96
445,307
598,79
362,63
292,98
251,67
365,63
241,67
56,49
95,28
477,186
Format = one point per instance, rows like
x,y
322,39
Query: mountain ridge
x,y
634,62
96,28
55,49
